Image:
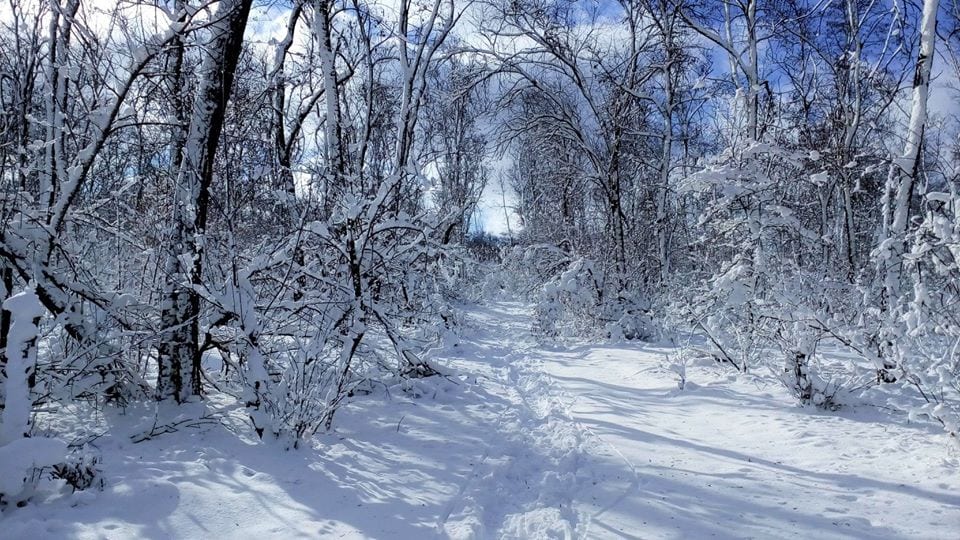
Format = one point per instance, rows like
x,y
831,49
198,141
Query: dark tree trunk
x,y
179,354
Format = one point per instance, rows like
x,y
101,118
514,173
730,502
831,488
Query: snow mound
x,y
20,457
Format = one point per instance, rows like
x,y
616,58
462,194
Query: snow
x,y
21,358
20,456
524,440
733,457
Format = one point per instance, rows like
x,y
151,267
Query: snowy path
x,y
727,457
487,453
531,442
524,484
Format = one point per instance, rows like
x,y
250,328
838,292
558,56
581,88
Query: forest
x,y
259,218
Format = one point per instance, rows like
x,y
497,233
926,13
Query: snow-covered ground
x,y
525,441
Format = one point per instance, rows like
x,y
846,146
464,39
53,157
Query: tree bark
x,y
904,170
179,355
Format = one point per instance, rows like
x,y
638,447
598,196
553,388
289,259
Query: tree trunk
x,y
900,183
333,143
6,282
179,355
904,170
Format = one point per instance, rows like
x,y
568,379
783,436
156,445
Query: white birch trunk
x,y
752,73
904,170
333,145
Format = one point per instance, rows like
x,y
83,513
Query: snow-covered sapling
x,y
21,455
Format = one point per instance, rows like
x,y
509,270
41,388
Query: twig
x,y
173,427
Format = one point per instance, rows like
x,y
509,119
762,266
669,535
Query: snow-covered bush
x,y
80,470
302,321
527,268
573,296
801,372
106,371
311,387
727,312
568,302
926,325
677,363
742,215
632,318
20,462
